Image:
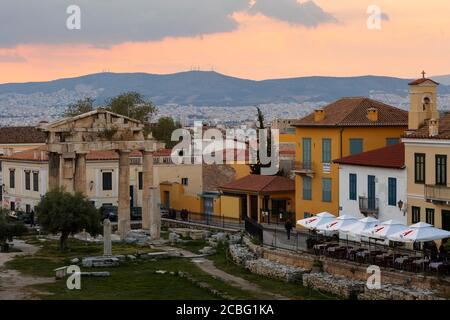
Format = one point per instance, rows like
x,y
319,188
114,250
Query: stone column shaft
x,y
124,193
147,183
53,170
80,173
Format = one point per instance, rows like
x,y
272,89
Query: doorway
x,y
446,220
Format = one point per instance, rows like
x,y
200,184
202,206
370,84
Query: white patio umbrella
x,y
338,223
420,232
312,223
385,229
355,230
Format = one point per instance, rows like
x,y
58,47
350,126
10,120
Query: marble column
x,y
147,183
155,221
80,173
107,247
53,170
124,193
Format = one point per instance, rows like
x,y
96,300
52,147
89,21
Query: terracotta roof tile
x,y
17,135
424,131
257,183
387,157
352,111
421,80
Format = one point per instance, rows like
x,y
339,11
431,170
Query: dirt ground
x,y
13,285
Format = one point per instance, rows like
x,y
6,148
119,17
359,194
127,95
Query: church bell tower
x,y
423,102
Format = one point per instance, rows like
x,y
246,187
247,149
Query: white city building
x,y
374,184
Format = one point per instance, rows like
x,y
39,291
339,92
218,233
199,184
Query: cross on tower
x,y
423,74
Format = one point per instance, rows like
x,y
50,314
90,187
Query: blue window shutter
x,y
353,186
392,191
356,146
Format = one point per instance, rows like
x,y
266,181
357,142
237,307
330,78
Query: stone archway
x,y
69,140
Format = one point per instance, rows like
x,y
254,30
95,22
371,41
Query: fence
x,y
255,229
207,219
279,238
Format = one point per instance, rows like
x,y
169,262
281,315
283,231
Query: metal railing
x,y
304,167
204,218
437,193
369,205
254,229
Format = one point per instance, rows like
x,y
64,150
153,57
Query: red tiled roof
x,y
424,131
421,80
18,135
351,112
387,157
257,183
40,154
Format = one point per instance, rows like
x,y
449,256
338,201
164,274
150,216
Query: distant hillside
x,y
207,88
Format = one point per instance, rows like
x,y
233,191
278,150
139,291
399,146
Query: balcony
x,y
437,194
304,168
369,206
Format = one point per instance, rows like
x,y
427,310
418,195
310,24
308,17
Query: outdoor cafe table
x,y
420,264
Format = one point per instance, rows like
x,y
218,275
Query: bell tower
x,y
423,102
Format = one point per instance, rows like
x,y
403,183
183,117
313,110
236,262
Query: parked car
x,y
21,216
136,214
110,212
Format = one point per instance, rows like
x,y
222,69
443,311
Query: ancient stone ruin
x,y
69,140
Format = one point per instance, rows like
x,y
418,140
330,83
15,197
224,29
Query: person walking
x,y
288,226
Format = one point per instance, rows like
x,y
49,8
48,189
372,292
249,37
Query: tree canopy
x,y
66,213
162,130
79,107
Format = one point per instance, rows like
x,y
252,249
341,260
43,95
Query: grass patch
x,y
294,291
135,280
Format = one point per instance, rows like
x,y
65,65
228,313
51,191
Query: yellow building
x,y
427,148
345,127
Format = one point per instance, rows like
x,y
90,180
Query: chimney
x,y
372,114
319,115
433,127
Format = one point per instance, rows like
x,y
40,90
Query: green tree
x,y
256,168
8,230
162,130
60,211
133,105
79,107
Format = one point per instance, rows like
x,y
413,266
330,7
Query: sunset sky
x,y
250,39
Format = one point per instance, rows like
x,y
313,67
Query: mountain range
x,y
202,88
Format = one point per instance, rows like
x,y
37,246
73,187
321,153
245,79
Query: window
x,y
35,181
306,215
307,188
107,180
326,150
184,181
27,180
27,208
392,191
12,179
140,176
419,167
352,185
12,206
430,216
392,141
326,190
306,151
356,146
441,170
415,214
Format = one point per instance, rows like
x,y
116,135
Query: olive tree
x,y
68,214
8,230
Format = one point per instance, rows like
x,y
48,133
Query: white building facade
x,y
374,184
